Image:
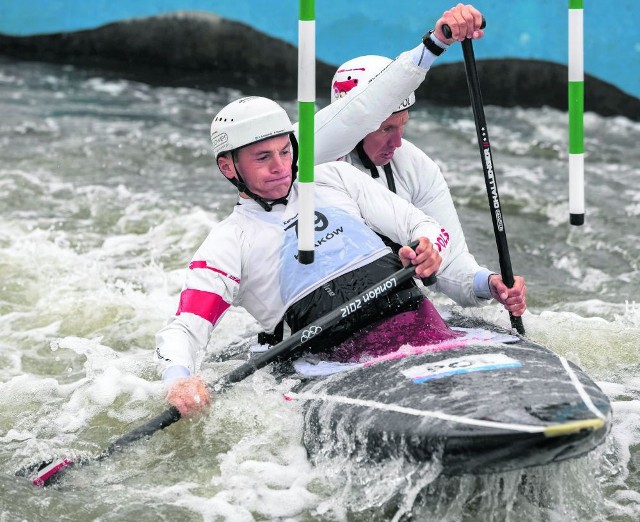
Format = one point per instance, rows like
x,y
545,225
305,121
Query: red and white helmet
x,y
357,73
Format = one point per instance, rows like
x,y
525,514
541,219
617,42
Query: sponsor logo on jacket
x,y
443,240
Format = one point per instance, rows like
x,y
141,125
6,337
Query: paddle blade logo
x,y
460,365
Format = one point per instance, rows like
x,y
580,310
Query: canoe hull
x,y
483,408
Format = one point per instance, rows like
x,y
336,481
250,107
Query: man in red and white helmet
x,y
342,124
406,170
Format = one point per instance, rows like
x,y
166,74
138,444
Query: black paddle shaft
x,y
491,183
487,165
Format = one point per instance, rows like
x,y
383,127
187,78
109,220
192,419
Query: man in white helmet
x,y
406,170
250,258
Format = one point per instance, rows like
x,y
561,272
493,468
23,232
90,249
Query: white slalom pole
x,y
576,113
306,110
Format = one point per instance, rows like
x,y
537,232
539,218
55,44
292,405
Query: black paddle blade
x,y
46,473
49,472
516,322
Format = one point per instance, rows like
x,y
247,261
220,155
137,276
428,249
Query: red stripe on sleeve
x,y
203,264
207,305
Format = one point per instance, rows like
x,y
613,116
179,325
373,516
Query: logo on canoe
x,y
459,365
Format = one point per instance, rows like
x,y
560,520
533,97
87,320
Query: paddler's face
x,y
380,145
264,166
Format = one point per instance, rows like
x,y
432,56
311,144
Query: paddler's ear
x,y
225,164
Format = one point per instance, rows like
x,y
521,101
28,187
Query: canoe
x,y
485,402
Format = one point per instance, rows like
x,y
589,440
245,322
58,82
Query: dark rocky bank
x,y
207,52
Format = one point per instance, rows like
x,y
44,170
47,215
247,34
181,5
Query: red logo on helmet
x,y
343,87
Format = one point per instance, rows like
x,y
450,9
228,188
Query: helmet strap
x,y
365,160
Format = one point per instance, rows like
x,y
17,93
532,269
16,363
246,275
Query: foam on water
x,y
107,188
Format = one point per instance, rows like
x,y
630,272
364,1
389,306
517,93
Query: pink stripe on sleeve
x,y
207,305
203,264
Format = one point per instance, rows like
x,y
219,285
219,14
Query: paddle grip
x,y
426,281
446,30
429,281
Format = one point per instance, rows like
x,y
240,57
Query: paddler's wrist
x,y
434,44
173,373
426,53
481,286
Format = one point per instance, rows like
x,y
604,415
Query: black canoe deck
x,y
531,408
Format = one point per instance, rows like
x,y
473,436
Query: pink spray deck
x,y
409,333
421,327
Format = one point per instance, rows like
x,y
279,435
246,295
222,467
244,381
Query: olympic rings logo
x,y
310,333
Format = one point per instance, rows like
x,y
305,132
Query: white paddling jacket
x,y
340,126
249,259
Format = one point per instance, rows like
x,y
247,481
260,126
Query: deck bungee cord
x,y
554,430
580,389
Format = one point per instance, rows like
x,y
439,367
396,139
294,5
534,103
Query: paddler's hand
x,y
426,258
190,396
513,299
465,22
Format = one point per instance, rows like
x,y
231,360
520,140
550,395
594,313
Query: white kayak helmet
x,y
246,121
357,73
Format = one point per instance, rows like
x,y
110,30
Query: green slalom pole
x,y
306,109
576,113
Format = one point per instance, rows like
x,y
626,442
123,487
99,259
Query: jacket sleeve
x,y
341,125
430,193
211,284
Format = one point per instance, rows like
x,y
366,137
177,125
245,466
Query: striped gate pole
x,y
576,113
306,107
